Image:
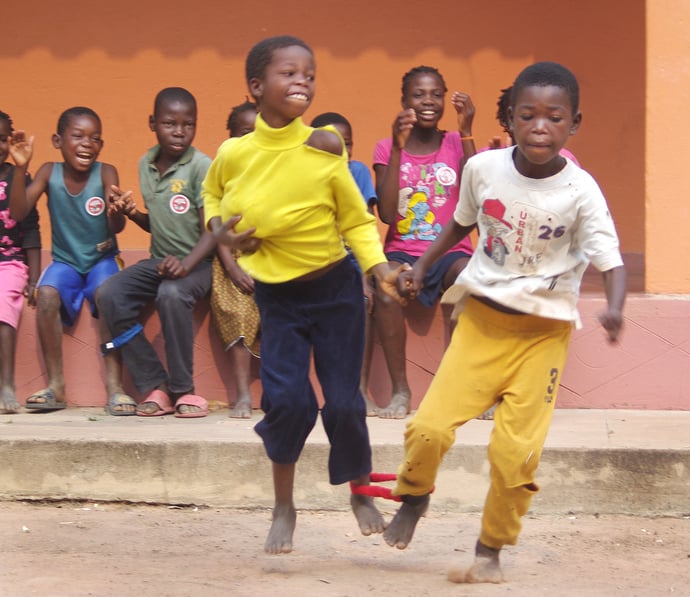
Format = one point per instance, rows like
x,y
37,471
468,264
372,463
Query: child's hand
x,y
409,284
612,321
387,277
121,202
30,293
465,110
403,126
172,268
242,241
241,279
21,148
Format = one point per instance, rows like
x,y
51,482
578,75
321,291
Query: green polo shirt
x,y
173,201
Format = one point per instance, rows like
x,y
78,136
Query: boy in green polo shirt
x,y
176,275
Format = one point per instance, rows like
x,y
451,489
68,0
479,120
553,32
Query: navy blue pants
x,y
325,315
121,303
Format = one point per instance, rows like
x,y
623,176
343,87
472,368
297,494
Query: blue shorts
x,y
74,287
433,281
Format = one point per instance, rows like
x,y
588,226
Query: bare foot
x,y
242,408
485,569
368,517
279,538
398,408
8,402
401,528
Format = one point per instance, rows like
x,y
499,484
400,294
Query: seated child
x,y
418,172
84,248
176,275
235,314
20,261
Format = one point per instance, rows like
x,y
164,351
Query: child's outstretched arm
x,y
464,109
410,282
615,283
387,176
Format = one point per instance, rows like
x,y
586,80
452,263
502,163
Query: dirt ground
x,y
66,549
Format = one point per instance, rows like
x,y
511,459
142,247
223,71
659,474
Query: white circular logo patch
x,y
95,206
179,204
446,176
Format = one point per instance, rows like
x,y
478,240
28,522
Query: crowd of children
x,y
279,229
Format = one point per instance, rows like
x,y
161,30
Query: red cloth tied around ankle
x,y
373,491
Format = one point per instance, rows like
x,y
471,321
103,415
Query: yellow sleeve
x,y
213,187
355,223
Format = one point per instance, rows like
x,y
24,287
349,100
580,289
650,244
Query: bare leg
x,y
485,569
8,342
50,336
367,514
113,368
280,535
401,529
390,325
241,364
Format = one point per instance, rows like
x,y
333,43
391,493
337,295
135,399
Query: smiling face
x,y
80,142
541,120
175,126
286,88
425,94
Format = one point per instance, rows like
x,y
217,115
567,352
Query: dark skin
x,y
8,334
284,92
175,126
415,130
80,144
541,121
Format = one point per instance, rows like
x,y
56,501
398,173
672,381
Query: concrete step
x,y
595,461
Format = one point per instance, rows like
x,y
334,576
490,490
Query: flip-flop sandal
x,y
161,400
191,400
50,401
118,399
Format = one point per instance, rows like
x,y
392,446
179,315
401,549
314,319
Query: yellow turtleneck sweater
x,y
302,201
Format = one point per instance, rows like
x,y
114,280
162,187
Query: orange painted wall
x,y
115,56
668,134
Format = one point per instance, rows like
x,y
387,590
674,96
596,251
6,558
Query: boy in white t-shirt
x,y
541,220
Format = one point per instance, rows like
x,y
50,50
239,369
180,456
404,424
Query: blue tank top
x,y
79,223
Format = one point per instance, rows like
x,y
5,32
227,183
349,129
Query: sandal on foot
x,y
191,400
161,400
116,401
48,399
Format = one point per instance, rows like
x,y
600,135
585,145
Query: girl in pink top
x,y
417,173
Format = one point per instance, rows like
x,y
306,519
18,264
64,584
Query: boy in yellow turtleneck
x,y
288,199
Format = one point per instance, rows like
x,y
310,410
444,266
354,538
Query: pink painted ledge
x,y
646,370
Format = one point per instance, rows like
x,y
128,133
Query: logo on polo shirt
x,y
94,206
179,204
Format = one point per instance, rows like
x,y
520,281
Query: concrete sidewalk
x,y
606,461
